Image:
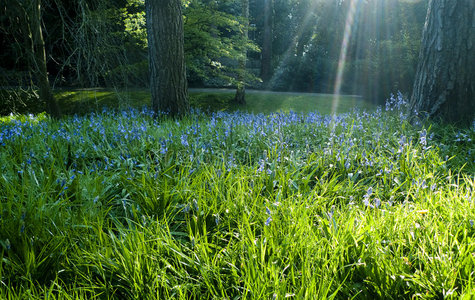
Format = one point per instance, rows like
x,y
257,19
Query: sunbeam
x,y
291,49
350,19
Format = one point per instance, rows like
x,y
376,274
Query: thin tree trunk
x,y
240,97
445,80
39,60
266,61
166,56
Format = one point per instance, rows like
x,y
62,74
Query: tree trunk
x,y
240,97
266,61
39,60
166,56
445,80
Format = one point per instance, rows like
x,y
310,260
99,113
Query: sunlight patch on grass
x,y
83,101
268,103
87,100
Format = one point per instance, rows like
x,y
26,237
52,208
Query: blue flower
x,y
369,192
367,203
184,140
423,139
268,221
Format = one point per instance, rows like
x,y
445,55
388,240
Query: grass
x,y
73,101
274,102
232,205
89,100
303,103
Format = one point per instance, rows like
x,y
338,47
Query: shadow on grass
x,y
84,101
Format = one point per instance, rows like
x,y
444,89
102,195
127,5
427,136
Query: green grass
x,y
275,102
121,205
73,101
88,100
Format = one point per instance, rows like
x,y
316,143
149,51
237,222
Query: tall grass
x,y
236,205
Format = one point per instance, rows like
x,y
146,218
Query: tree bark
x,y
445,80
166,56
39,60
240,97
266,60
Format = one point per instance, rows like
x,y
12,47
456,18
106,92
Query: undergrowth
x,y
236,206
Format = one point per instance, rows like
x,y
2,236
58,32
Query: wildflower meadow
x,y
233,205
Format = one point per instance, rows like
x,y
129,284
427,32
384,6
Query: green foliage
x,y
235,205
18,101
382,49
133,18
213,44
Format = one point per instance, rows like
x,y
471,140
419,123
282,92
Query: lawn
x,y
235,205
87,100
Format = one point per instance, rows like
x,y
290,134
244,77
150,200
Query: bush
x,y
20,101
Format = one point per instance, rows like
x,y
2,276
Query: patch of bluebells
x,y
290,131
374,203
107,141
396,103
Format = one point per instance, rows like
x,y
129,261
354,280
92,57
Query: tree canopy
x,y
291,45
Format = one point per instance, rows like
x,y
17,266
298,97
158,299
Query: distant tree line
x,y
283,45
296,44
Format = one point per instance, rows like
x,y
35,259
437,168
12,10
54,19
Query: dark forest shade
x,y
445,79
166,56
39,60
266,51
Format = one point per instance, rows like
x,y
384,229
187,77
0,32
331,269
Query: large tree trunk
x,y
266,60
240,97
166,56
445,80
38,56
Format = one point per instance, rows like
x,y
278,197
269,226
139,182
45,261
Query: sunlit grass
x,y
274,102
235,205
89,100
23,118
256,102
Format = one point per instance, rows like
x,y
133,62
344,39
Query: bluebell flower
x,y
195,205
423,138
268,221
369,192
366,198
367,203
377,202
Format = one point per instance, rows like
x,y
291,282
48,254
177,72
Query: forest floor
x,y
123,204
86,100
264,92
